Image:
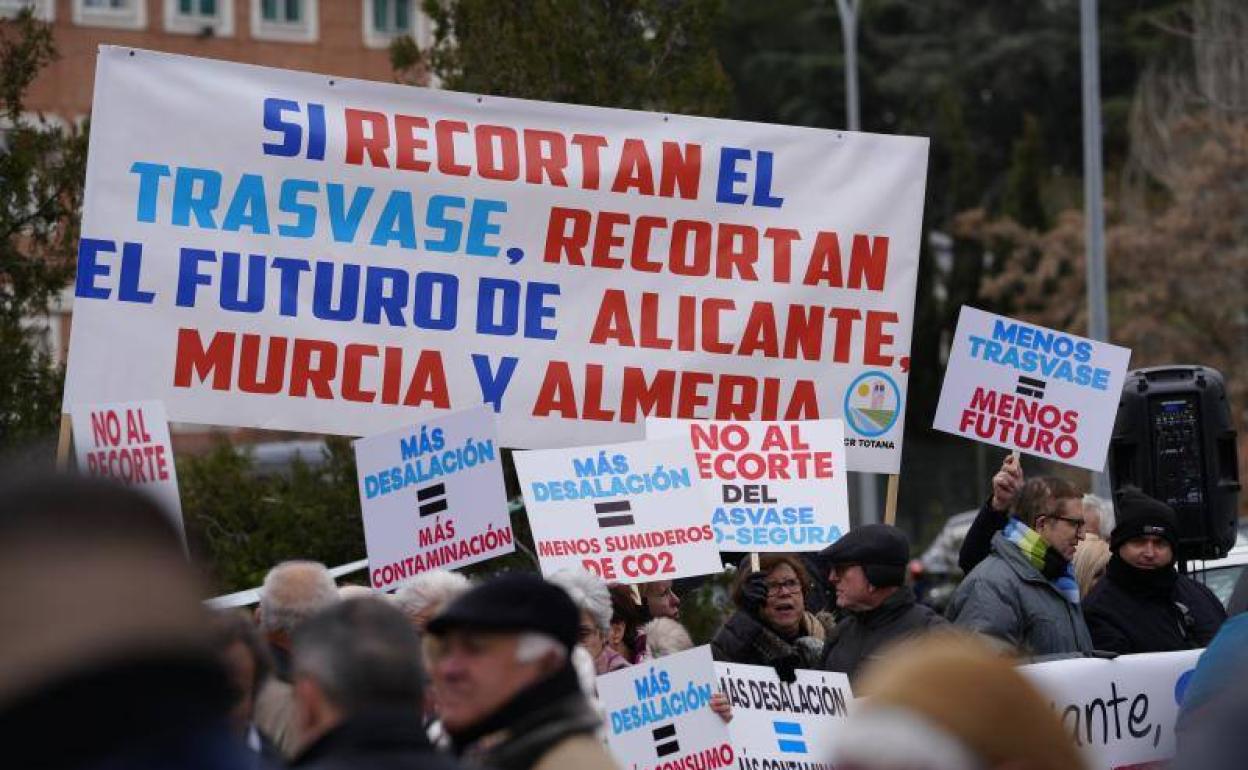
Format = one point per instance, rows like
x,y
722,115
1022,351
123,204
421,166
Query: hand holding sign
x,y
1006,483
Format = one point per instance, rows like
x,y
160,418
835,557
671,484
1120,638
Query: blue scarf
x,y
1034,548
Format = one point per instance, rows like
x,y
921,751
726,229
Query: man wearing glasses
x,y
867,569
1024,594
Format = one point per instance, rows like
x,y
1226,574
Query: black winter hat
x,y
1136,514
513,602
883,552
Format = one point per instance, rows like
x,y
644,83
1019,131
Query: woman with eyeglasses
x,y
771,626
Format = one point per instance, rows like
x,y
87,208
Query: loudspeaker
x,y
1174,439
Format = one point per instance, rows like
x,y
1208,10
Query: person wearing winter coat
x,y
506,691
771,626
1143,604
867,570
1025,594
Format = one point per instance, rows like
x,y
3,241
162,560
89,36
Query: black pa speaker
x,y
1174,439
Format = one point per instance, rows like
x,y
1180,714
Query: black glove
x,y
786,667
754,593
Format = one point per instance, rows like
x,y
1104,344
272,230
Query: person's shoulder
x,y
1189,589
584,752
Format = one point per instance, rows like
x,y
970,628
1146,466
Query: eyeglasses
x,y
783,587
1078,524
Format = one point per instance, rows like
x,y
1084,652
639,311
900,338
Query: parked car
x,y
1223,575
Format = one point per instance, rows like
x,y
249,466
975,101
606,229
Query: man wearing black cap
x,y
503,680
867,568
1144,604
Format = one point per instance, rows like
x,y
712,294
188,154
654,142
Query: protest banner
x,y
432,497
129,443
629,513
658,715
1120,712
777,486
776,724
295,251
1024,387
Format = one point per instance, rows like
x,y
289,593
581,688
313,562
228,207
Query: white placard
x,y
630,513
777,486
129,443
658,715
775,723
1120,712
1021,386
432,497
295,251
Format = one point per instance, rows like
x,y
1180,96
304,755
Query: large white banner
x,y
129,443
629,513
777,486
777,724
1025,387
432,497
1120,712
296,251
657,716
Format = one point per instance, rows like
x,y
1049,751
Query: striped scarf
x,y
1033,547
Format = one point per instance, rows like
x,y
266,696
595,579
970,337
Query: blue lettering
x,y
729,176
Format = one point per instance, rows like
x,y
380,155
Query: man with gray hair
x,y
506,691
358,691
293,591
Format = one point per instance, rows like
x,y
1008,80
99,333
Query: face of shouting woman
x,y
785,603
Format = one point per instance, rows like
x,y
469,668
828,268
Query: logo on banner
x,y
665,740
789,737
872,404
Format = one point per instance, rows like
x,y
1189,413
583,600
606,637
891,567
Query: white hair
x,y
532,646
435,588
665,636
1104,511
889,737
589,593
294,591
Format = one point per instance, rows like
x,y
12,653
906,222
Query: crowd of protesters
x,y
105,634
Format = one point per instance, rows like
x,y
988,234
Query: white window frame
x,y
375,38
304,31
133,17
45,10
221,25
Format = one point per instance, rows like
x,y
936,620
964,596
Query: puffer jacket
x,y
1007,598
862,635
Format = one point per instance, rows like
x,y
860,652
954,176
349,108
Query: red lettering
x,y
374,141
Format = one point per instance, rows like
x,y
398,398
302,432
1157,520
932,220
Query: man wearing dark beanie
x,y
867,569
503,682
1143,604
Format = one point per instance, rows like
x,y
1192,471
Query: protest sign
x,y
776,723
1120,712
129,443
1025,387
658,714
777,486
630,513
293,251
432,497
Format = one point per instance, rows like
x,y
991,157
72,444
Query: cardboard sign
x,y
432,497
778,486
1024,387
129,443
775,723
629,513
658,715
296,251
1120,712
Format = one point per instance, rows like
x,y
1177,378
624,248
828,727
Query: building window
x,y
124,14
200,17
293,21
44,9
384,20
